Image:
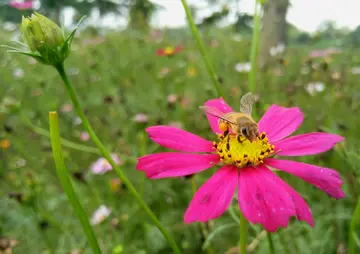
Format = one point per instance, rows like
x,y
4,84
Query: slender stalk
x,y
243,232
353,224
255,48
202,50
66,183
271,243
63,141
75,100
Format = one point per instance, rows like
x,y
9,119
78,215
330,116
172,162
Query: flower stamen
x,y
239,151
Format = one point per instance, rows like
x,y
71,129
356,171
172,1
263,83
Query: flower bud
x,y
44,37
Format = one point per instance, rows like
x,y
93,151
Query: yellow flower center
x,y
169,50
240,151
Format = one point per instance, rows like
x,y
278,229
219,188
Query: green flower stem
x,y
354,222
202,50
63,141
243,233
271,243
74,98
66,183
255,48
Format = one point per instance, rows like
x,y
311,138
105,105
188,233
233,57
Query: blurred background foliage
x,y
118,76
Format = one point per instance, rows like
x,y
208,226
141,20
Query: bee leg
x,y
226,132
228,143
238,137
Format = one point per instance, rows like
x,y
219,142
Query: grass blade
x,y
66,183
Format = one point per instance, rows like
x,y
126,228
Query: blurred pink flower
x,y
84,136
320,53
32,61
94,41
23,5
263,196
141,118
101,165
66,108
214,43
185,102
172,98
155,35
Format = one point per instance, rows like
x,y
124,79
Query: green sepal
x,y
65,50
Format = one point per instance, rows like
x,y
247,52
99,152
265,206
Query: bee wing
x,y
246,103
216,113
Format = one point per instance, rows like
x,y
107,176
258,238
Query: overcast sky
x,y
305,14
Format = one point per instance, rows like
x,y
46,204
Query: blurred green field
x,y
117,76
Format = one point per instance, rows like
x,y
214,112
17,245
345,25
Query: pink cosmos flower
x,y
25,5
263,196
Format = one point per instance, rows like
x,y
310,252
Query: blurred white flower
x,y
243,67
277,50
355,70
18,73
9,26
237,37
315,87
100,215
181,64
20,163
101,165
164,72
77,121
73,71
305,70
141,118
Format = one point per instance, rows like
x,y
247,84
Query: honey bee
x,y
240,123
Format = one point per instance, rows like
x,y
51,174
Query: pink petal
x,y
279,122
264,198
178,139
213,197
306,144
221,105
325,179
170,164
